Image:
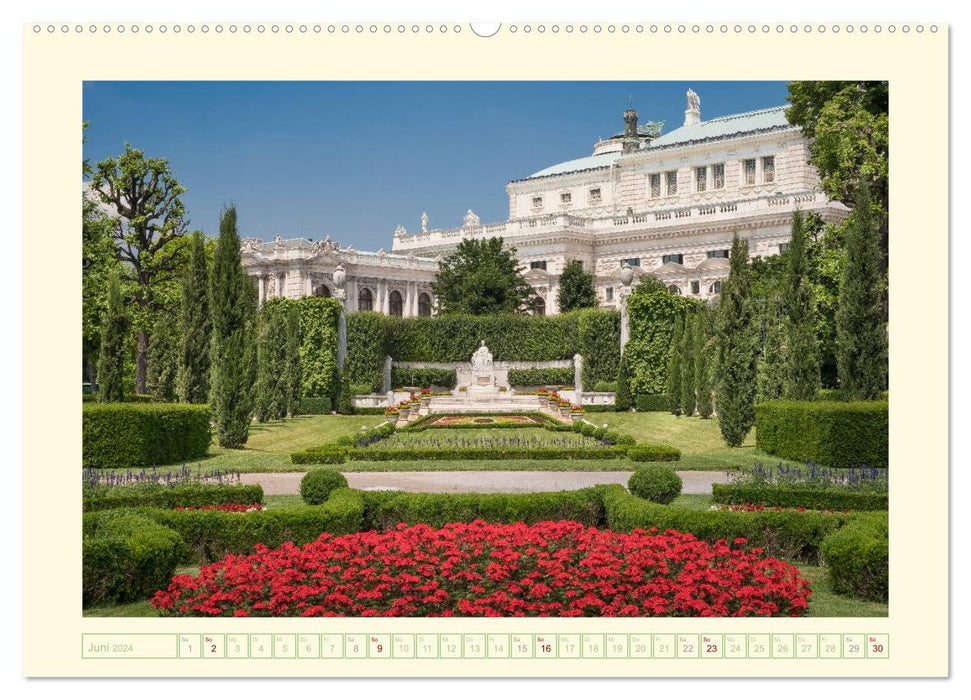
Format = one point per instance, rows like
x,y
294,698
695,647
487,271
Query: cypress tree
x,y
196,327
688,400
861,346
622,402
737,349
163,360
294,371
111,359
345,403
231,301
271,388
801,360
674,369
770,384
702,369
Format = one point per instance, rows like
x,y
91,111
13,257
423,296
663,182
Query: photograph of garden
x,y
657,387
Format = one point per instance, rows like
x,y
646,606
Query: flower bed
x,y
226,507
511,421
758,508
561,569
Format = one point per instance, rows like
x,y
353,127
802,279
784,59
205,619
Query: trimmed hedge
x,y
378,454
315,405
171,496
424,378
647,403
857,558
141,435
786,496
837,395
655,483
210,535
126,557
325,454
369,410
546,376
317,485
783,534
386,509
830,433
645,452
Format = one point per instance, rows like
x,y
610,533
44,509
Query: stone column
x,y
578,376
308,284
341,340
386,387
281,282
407,311
553,303
624,294
261,286
351,304
385,298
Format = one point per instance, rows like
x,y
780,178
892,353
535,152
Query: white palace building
x,y
665,204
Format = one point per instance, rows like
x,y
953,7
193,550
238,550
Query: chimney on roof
x,y
632,141
692,115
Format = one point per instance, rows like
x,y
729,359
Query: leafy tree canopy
x,y
481,277
576,288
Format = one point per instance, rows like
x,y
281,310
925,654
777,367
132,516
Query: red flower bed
x,y
560,569
227,507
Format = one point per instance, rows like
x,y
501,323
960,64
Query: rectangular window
x,y
537,265
701,178
631,262
565,198
695,286
673,257
655,185
718,176
718,253
748,167
609,293
595,194
768,169
783,247
672,178
537,202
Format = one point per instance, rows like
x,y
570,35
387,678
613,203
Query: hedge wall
x,y
830,433
858,558
142,435
126,557
646,403
547,376
318,345
315,405
652,315
171,496
424,378
787,496
453,338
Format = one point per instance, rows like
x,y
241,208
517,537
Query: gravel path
x,y
482,482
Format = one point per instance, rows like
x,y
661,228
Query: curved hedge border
x,y
830,433
179,496
857,558
126,557
646,452
795,497
141,435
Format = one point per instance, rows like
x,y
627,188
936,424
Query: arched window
x,y
365,300
424,305
716,288
675,289
322,291
539,307
395,305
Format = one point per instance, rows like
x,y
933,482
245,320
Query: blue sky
x,y
354,159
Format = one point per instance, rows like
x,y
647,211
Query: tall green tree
x,y
345,401
111,359
195,322
771,377
703,348
737,349
294,366
163,361
622,398
688,396
801,360
482,277
272,391
576,288
232,353
861,344
674,378
143,201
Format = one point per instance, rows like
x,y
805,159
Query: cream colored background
x,y
916,66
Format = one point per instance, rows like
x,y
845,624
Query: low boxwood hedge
x,y
210,535
646,452
830,433
655,483
171,496
791,496
857,558
317,485
141,435
784,534
647,403
386,509
126,557
379,454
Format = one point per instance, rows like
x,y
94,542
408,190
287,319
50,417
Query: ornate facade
x,y
665,204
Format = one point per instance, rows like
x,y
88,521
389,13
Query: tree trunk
x,y
141,363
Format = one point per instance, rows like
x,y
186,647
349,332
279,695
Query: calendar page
x,y
522,349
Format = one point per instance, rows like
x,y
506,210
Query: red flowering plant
x,y
226,507
426,393
758,507
558,569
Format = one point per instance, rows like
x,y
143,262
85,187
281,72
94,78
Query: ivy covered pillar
x,y
626,277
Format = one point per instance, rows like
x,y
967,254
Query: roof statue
x,y
400,231
471,219
252,245
694,102
424,222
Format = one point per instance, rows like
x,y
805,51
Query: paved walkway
x,y
482,482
